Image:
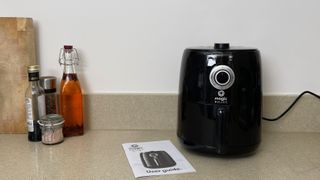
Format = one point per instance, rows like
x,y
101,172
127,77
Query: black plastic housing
x,y
221,119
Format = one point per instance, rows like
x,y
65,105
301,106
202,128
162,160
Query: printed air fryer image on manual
x,y
156,158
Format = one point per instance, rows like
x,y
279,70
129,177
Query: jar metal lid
x,y
51,120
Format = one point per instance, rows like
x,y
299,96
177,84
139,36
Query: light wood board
x,y
17,51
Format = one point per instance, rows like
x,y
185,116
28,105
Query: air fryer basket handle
x,y
221,128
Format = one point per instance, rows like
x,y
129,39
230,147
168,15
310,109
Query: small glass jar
x,y
51,128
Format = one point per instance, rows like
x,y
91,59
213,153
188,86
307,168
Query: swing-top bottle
x,y
71,100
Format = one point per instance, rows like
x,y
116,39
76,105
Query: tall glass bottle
x,y
71,105
34,104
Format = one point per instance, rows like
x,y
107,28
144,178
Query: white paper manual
x,y
156,158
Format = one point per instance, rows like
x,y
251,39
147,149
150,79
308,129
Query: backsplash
x,y
159,111
303,117
131,111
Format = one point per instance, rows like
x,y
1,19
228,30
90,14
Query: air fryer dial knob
x,y
221,77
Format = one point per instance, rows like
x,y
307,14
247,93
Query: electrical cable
x,y
288,109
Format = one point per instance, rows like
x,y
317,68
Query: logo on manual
x,y
135,148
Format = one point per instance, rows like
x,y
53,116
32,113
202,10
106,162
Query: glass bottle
x,y
71,100
34,104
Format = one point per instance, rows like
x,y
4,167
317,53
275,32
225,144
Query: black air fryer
x,y
220,99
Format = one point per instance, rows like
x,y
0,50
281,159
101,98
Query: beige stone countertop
x,y
99,155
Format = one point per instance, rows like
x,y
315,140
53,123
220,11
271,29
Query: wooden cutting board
x,y
17,51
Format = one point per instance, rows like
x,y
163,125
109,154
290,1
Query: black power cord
x,y
288,109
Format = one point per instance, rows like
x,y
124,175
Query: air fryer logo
x,y
221,99
221,93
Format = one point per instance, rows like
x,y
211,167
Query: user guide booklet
x,y
156,158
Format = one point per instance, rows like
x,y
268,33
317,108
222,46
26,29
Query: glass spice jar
x,y
48,83
51,127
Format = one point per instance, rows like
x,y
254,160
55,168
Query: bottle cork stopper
x,y
67,46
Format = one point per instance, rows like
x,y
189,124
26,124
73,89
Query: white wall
x,y
136,45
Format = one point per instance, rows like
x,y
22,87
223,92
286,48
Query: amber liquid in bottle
x,y
71,105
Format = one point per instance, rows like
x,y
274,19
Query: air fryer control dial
x,y
221,77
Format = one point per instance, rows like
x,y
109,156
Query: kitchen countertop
x,y
99,155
